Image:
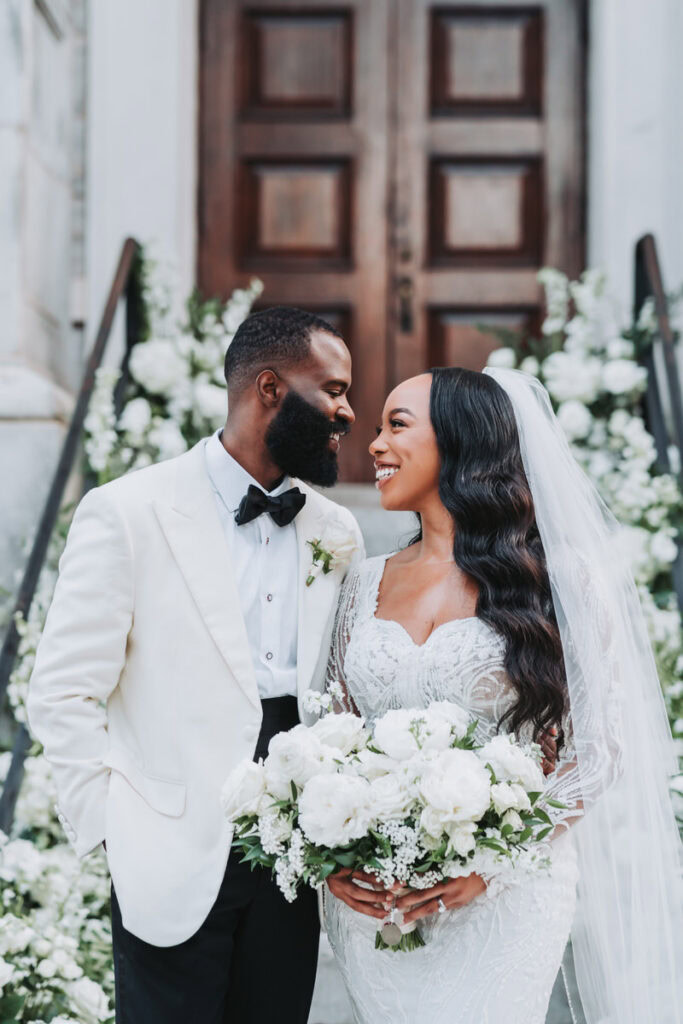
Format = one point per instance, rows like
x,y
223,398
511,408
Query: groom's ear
x,y
269,389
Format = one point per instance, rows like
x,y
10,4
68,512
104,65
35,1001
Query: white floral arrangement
x,y
589,364
334,548
412,801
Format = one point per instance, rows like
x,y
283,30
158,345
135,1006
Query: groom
x,y
180,639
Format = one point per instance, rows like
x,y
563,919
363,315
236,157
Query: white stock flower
x,y
135,419
343,732
623,376
503,358
456,786
511,764
243,789
88,1000
157,365
334,809
575,419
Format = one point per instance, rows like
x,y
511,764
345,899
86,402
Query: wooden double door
x,y
401,167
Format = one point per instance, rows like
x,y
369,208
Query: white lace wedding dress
x,y
495,960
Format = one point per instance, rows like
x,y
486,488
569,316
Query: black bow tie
x,y
282,508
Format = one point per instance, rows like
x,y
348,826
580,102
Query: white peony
x,y
88,1001
344,732
623,376
456,786
157,365
334,809
404,732
243,789
295,756
504,358
457,718
575,419
135,419
511,764
390,797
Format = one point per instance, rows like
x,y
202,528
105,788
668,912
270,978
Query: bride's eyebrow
x,y
394,411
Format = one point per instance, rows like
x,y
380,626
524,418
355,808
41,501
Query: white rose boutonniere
x,y
332,549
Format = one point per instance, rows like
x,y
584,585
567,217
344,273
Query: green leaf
x,y
555,803
526,834
543,833
533,797
540,813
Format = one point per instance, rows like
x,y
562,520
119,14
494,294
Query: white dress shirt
x,y
265,557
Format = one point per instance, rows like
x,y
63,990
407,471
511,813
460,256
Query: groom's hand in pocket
x,y
372,901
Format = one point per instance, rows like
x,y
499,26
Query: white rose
x,y
461,837
623,376
512,817
336,538
166,436
511,764
504,358
457,718
344,732
457,786
404,732
390,797
243,789
334,809
135,419
503,797
575,420
295,756
88,1001
211,401
156,365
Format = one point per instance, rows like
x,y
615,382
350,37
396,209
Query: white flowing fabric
x,y
628,930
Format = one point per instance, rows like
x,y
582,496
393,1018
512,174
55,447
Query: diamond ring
x,y
442,906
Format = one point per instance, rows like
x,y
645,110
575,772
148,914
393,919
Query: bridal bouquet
x,y
413,801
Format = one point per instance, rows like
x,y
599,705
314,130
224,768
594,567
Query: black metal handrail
x,y
125,285
666,430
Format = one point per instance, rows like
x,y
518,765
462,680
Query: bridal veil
x,y
628,930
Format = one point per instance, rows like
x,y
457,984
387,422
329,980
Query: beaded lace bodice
x,y
496,959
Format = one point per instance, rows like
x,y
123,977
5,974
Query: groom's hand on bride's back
x,y
548,744
372,901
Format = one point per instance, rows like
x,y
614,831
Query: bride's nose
x,y
378,445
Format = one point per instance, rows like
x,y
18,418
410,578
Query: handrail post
x,y
124,285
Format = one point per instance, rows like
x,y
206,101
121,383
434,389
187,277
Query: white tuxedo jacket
x,y
143,692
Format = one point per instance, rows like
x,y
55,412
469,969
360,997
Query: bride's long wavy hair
x,y
497,544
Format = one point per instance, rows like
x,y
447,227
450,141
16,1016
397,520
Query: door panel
x,y
401,167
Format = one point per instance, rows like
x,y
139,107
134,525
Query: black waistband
x,y
279,715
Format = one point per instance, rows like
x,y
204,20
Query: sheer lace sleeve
x,y
347,609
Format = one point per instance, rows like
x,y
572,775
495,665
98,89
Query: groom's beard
x,y
298,441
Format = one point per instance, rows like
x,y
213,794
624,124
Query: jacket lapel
x,y
315,603
194,533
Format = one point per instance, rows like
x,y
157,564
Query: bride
x,y
513,602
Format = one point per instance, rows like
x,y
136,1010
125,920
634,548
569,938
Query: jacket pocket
x,y
164,795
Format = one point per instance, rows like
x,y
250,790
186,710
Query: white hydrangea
x,y
623,376
575,419
503,358
157,365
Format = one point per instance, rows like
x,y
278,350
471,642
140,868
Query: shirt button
x,y
269,656
269,597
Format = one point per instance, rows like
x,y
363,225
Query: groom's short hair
x,y
272,338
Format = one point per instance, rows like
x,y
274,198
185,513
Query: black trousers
x,y
252,961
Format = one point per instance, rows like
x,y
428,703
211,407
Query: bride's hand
x,y
456,892
373,902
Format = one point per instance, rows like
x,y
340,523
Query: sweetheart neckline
x,y
449,622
